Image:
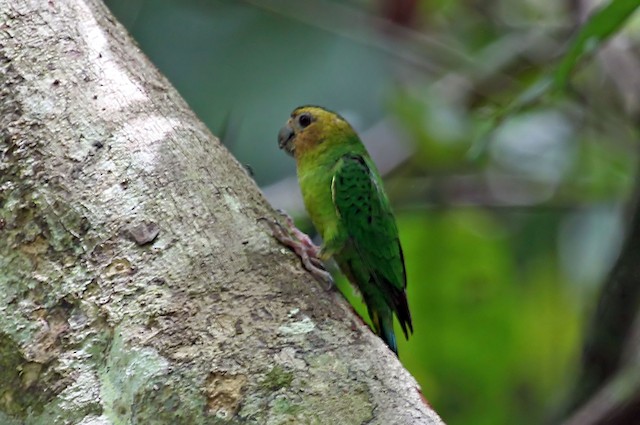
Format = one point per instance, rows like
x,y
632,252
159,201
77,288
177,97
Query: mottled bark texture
x,y
136,284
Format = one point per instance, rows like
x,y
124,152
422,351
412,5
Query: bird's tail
x,y
383,325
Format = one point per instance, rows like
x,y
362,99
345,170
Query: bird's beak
x,y
285,139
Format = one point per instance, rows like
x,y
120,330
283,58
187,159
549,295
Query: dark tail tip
x,y
383,325
390,339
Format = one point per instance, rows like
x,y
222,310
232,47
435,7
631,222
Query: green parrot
x,y
343,194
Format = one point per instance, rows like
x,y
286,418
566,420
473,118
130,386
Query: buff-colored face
x,y
308,127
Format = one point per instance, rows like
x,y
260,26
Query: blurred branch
x,y
595,29
619,63
612,322
436,55
496,192
608,385
363,27
472,190
618,401
623,69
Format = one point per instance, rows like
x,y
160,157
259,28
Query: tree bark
x,y
136,283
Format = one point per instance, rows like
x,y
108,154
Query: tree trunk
x,y
136,283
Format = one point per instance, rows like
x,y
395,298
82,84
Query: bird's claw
x,y
290,236
312,249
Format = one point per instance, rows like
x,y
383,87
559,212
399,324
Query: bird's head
x,y
312,127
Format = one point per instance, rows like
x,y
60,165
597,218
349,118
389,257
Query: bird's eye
x,y
304,120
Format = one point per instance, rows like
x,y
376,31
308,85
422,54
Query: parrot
x,y
346,202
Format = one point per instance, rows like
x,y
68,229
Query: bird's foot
x,y
290,236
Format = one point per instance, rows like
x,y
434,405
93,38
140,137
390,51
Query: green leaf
x,y
598,28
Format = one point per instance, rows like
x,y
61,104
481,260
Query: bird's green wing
x,y
364,209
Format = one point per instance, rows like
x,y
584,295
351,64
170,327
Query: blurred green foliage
x,y
603,23
496,333
510,202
